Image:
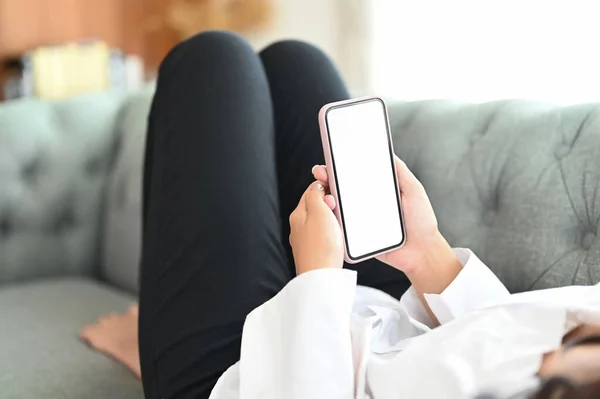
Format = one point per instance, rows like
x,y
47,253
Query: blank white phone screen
x,y
365,177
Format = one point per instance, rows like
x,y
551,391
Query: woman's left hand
x,y
315,234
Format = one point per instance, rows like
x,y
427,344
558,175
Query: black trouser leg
x,y
212,247
302,79
219,186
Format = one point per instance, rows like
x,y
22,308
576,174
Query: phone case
x,y
330,172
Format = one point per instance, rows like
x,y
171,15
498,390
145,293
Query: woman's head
x,y
578,359
573,371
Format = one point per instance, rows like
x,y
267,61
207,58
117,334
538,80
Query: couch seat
x,y
40,354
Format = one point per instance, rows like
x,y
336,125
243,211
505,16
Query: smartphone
x,y
359,156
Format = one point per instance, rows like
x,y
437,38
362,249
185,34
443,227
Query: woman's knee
x,y
302,73
209,47
213,83
293,52
292,46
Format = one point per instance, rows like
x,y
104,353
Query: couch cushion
x,y
40,354
54,160
518,182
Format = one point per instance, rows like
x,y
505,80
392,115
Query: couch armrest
x,y
121,243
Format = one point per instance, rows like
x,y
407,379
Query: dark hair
x,y
562,388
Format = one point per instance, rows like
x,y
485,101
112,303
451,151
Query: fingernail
x,y
318,186
313,169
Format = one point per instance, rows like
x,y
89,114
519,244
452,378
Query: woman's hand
x,y
424,243
316,236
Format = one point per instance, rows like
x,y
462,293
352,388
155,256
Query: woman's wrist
x,y
435,271
437,268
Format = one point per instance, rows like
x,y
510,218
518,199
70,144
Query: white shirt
x,y
325,337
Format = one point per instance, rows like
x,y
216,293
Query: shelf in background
x,y
27,24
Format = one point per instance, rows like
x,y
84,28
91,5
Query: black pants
x,y
232,138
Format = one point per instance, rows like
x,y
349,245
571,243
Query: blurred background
x,y
71,171
473,50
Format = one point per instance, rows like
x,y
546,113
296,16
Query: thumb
x,y
409,184
314,198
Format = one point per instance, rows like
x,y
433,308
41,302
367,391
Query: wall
x,y
309,20
478,51
29,23
339,27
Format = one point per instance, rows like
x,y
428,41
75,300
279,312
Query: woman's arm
x,y
438,269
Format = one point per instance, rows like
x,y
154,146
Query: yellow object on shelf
x,y
70,69
94,67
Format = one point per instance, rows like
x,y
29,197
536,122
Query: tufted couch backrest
x,y
55,158
518,182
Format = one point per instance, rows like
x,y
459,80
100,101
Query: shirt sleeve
x,y
412,305
298,344
474,287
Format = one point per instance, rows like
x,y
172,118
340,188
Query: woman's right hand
x,y
424,243
315,234
426,257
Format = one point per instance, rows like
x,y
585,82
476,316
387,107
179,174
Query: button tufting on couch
x,y
516,181
57,164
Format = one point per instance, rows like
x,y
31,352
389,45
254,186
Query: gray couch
x,y
518,182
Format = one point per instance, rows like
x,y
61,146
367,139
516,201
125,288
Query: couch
x,y
516,181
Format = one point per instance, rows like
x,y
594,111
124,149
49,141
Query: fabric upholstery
x,y
54,160
40,355
518,182
122,222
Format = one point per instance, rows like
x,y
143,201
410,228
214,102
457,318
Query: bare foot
x,y
116,335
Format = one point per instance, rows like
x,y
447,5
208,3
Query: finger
x,y
314,198
87,332
302,203
320,173
409,184
84,334
329,201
